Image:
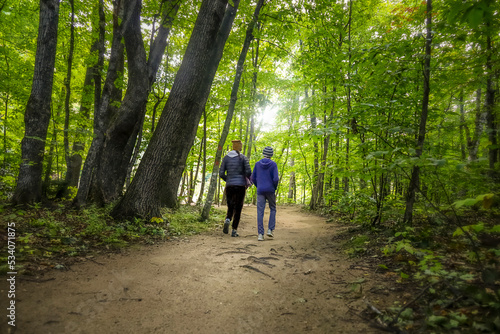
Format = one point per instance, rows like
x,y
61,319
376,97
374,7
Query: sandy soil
x,y
298,282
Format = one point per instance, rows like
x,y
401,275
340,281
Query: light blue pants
x,y
261,205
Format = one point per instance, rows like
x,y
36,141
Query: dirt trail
x,y
297,282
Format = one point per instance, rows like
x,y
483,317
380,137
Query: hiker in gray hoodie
x,y
234,168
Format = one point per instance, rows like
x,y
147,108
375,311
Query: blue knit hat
x,y
268,152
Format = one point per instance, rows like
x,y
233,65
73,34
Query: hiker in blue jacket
x,y
233,169
265,177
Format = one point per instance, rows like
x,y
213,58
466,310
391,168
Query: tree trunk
x,y
122,132
37,115
198,163
67,84
251,136
347,145
7,98
247,117
291,184
53,147
314,195
232,103
414,181
102,114
48,164
463,126
113,149
337,152
184,177
489,107
326,144
100,56
321,174
191,186
204,144
137,148
75,160
157,179
92,78
48,168
5,149
473,143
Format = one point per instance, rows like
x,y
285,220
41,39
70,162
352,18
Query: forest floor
x,y
299,281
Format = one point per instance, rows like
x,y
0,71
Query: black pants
x,y
235,196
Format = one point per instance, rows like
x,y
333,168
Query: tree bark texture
x,y
37,115
158,176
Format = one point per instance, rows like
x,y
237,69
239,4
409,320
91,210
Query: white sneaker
x,y
270,233
261,237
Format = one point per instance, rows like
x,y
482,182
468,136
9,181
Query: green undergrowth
x,y
56,236
446,264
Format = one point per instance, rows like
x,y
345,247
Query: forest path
x,y
298,282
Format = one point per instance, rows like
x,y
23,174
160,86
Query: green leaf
x,y
475,17
435,320
495,229
407,314
452,324
458,232
466,202
477,227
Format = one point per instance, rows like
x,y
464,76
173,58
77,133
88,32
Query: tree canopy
x,y
343,81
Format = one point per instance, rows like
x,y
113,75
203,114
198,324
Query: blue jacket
x,y
233,169
265,176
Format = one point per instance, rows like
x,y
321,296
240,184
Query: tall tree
x,y
158,176
415,177
37,115
204,169
472,140
116,146
489,106
67,85
91,87
104,106
229,116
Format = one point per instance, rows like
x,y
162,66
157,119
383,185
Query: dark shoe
x,y
234,234
226,226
